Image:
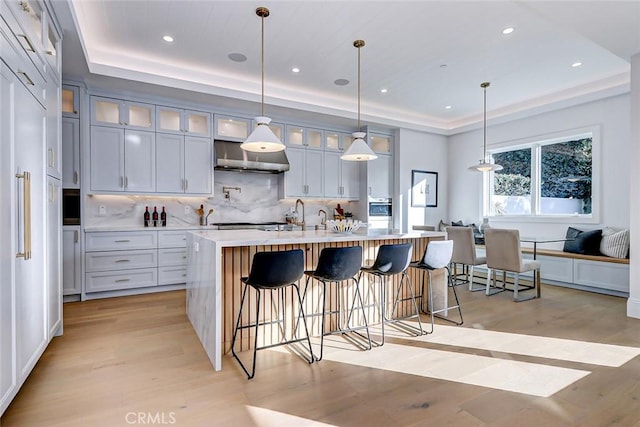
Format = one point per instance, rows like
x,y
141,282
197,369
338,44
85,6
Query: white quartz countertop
x,y
260,237
141,228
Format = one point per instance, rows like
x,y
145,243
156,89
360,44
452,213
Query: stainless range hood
x,y
229,156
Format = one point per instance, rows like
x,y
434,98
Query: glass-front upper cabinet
x,y
337,141
70,101
304,137
179,121
231,128
382,144
30,16
124,114
52,49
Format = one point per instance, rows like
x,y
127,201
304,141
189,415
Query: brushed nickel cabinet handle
x,y
123,241
121,181
75,236
26,76
75,177
26,177
26,38
123,260
123,280
186,184
49,52
126,182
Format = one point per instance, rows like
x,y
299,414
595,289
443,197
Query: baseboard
x,y
633,308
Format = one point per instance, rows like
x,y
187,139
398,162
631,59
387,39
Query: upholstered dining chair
x,y
464,252
504,254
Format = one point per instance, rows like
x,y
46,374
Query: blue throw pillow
x,y
583,242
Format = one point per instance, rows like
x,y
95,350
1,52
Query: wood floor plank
x,y
138,356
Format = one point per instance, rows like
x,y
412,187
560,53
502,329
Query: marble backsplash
x,y
255,201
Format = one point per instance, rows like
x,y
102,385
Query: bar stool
x,y
437,256
392,260
338,265
272,271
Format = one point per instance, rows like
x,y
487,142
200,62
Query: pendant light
x,y
484,165
359,150
262,139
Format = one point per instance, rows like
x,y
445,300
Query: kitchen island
x,y
217,260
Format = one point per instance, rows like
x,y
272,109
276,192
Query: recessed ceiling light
x,y
383,90
341,82
508,30
447,107
295,70
167,38
237,57
576,64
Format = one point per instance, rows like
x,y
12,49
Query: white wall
x,y
426,152
611,114
633,304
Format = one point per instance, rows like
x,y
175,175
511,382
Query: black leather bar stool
x,y
339,265
438,255
393,260
272,271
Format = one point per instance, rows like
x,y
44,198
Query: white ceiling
x,y
428,54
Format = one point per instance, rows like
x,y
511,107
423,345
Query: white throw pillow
x,y
615,242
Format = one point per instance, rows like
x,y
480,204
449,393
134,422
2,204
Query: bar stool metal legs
x,y
337,266
272,271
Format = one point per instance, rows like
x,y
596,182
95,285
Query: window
x,y
551,178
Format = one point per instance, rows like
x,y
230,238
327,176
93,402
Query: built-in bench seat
x,y
596,273
563,254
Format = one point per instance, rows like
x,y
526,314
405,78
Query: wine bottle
x,y
146,217
163,218
154,217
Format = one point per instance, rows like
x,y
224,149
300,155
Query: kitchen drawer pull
x,y
75,236
26,76
24,36
123,241
121,181
123,280
126,182
123,260
75,177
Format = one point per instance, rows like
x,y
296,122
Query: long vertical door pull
x,y
26,176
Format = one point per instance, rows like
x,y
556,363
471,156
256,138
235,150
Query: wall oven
x,y
70,206
380,213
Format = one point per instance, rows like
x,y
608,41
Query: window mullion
x,y
536,173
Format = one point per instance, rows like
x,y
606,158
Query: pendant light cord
x,y
358,88
484,120
262,67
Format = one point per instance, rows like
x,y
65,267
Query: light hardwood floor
x,y
136,361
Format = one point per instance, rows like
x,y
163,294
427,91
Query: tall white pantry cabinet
x,y
30,210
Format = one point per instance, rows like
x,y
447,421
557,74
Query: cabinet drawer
x,y
121,260
172,239
172,275
171,257
110,241
18,61
114,280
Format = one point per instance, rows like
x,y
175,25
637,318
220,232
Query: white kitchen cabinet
x,y
305,175
70,152
54,147
380,177
122,160
71,261
341,178
337,141
304,137
230,128
52,49
122,114
183,122
120,260
54,255
70,101
183,164
172,257
382,144
24,291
